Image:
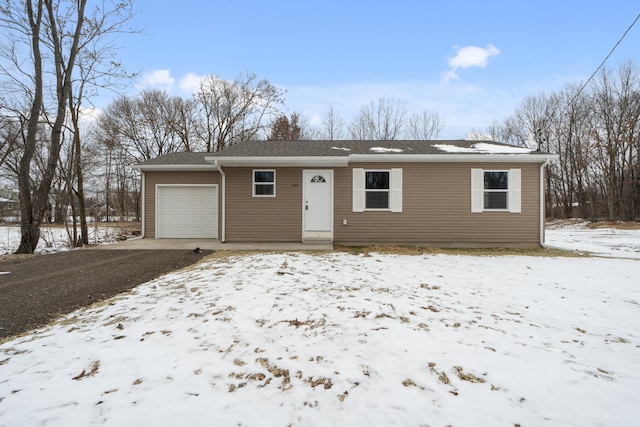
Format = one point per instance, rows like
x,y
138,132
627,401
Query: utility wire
x,y
604,60
538,133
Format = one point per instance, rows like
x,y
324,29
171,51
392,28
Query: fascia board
x,y
318,161
343,161
174,168
451,158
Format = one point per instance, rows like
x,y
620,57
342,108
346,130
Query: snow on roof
x,y
483,147
386,150
341,148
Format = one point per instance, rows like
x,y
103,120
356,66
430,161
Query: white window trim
x,y
377,190
514,195
359,190
495,190
253,183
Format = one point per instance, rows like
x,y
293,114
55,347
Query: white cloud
x,y
190,82
473,56
163,80
157,79
469,56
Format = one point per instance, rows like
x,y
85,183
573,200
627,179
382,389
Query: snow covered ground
x,y
603,241
337,339
55,238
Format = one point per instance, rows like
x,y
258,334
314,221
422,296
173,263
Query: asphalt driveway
x,y
38,288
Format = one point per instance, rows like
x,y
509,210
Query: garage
x,y
187,211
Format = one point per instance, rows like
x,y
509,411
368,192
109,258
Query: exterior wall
x,y
264,219
172,177
437,208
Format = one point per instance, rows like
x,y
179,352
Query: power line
x,y
604,60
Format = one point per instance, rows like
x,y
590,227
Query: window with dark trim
x,y
377,189
264,183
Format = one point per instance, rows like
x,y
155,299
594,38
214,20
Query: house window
x,y
376,184
264,183
377,190
496,190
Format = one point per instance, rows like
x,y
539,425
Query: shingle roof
x,y
338,149
179,159
341,148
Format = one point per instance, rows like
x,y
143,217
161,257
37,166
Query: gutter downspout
x,y
142,199
223,225
542,206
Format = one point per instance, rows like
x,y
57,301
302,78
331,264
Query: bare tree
x,y
595,131
359,128
235,110
54,33
510,131
186,123
10,131
383,119
332,127
425,126
144,127
616,134
97,69
58,28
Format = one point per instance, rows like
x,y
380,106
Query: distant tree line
x,y
224,112
595,130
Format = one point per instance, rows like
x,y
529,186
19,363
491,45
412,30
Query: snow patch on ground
x,y
56,238
341,339
576,236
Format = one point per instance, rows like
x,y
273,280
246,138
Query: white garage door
x,y
187,211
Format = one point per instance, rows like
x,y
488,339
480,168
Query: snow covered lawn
x,y
55,238
337,339
602,241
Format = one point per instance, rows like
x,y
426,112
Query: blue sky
x,y
471,62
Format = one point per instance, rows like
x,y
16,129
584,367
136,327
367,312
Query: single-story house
x,y
446,193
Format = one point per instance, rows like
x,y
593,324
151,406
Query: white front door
x,y
317,200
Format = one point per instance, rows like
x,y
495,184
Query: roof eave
x,y
343,161
273,161
174,168
451,158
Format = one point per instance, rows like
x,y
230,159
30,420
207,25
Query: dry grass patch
x,y
367,250
618,225
593,224
422,250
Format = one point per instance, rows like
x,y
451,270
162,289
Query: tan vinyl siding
x,y
172,177
437,208
264,219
